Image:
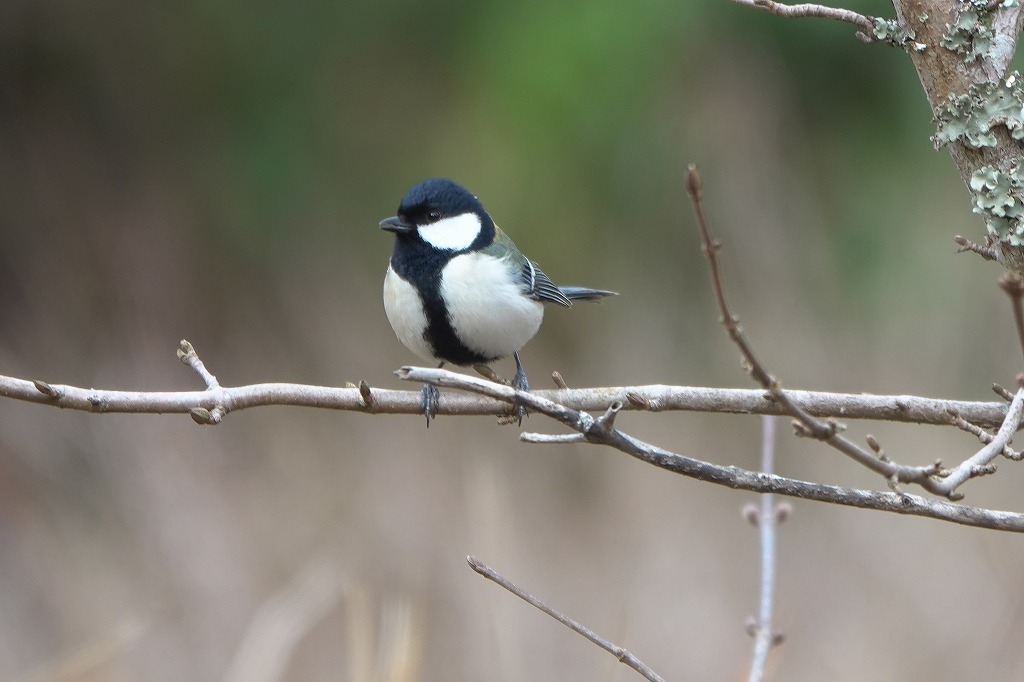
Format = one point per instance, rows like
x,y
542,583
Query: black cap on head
x,y
440,196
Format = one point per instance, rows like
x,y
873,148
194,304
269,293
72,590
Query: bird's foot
x,y
429,397
520,383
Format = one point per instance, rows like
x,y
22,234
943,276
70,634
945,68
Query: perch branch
x,y
729,476
363,398
615,650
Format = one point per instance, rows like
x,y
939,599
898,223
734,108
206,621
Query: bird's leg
x,y
429,397
520,383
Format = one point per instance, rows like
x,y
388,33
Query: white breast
x,y
405,313
487,309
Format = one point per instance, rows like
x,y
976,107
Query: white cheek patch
x,y
455,233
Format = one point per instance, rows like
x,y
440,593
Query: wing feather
x,y
535,283
542,288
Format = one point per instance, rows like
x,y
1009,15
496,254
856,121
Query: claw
x,y
429,398
520,383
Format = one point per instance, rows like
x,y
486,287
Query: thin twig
x,y
729,476
984,436
812,10
207,416
986,251
187,354
1013,285
614,649
765,638
977,463
823,431
1002,392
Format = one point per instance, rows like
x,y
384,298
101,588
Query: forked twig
x,y
729,476
827,432
615,650
984,436
979,463
932,478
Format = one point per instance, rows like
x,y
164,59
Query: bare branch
x,y
551,438
363,398
827,432
187,354
614,649
812,10
729,476
984,436
975,465
765,638
986,251
1002,392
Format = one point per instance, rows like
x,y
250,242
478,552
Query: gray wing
x,y
539,287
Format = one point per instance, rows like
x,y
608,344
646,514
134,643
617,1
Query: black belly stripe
x,y
422,268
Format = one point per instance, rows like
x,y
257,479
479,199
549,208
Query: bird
x,y
457,290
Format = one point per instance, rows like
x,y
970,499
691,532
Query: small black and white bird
x,y
458,290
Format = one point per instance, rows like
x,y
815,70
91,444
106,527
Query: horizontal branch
x,y
601,430
653,398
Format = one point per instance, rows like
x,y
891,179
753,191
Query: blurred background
x,y
216,170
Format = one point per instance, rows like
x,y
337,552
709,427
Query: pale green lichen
x,y
971,34
997,197
889,31
970,118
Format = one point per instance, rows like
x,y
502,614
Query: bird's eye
x,y
434,216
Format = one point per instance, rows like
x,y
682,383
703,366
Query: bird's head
x,y
443,215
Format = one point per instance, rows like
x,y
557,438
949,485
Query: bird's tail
x,y
584,294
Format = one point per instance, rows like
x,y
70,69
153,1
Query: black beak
x,y
396,225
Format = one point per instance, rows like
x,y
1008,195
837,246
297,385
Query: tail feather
x,y
584,294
